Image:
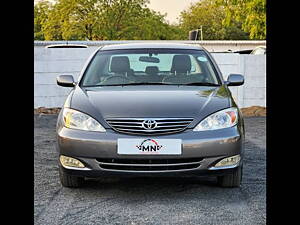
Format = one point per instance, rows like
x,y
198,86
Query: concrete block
x,y
255,65
255,81
62,66
50,90
226,58
48,54
228,69
49,102
254,93
50,78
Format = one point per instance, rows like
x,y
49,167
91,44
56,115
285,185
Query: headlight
x,y
222,119
78,120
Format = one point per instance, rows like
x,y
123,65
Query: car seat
x,y
181,68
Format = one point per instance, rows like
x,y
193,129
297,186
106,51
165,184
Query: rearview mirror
x,y
65,81
235,80
149,59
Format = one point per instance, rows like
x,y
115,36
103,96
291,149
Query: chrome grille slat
x,y
151,169
170,123
128,125
152,118
135,125
178,125
122,122
149,131
158,126
126,164
149,165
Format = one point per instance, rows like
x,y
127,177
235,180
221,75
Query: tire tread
x,y
231,180
69,181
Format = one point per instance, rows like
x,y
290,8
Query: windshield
x,y
150,66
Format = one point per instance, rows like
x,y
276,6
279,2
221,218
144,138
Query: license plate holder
x,y
149,146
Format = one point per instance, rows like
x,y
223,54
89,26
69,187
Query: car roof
x,y
168,45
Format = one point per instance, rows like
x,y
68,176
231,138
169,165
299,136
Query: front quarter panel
x,y
67,104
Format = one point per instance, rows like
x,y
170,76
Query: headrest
x,y
181,64
152,70
120,64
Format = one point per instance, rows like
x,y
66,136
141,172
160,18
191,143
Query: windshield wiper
x,y
155,83
130,84
150,83
201,84
95,85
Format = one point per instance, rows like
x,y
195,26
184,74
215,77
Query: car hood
x,y
150,102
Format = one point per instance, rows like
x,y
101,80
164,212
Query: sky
x,y
171,7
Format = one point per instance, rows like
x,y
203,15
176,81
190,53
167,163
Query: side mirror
x,y
65,81
235,80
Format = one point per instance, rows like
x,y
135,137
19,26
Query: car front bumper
x,y
204,149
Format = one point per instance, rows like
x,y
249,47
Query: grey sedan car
x,y
150,109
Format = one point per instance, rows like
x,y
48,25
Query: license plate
x,y
149,146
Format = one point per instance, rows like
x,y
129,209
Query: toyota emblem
x,y
149,124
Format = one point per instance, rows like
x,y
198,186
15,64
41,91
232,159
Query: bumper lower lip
x,y
223,167
211,146
93,173
75,168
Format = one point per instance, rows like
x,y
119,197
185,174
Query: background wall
x,y
211,46
49,63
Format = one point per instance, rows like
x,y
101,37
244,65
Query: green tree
x,y
105,20
210,15
150,25
234,31
71,20
117,17
131,20
41,11
250,13
176,32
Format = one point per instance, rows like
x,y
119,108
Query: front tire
x,y
69,180
231,180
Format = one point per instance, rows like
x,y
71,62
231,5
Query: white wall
x,y
49,63
253,67
209,45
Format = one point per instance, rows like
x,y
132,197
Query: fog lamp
x,y
70,162
229,161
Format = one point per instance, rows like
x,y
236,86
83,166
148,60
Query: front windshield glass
x,y
150,66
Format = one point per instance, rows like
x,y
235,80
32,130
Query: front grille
x,y
148,165
137,125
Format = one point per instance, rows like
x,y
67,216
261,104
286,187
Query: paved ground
x,y
134,201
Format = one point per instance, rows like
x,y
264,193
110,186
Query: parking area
x,y
149,200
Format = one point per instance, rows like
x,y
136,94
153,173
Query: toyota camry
x,y
153,109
